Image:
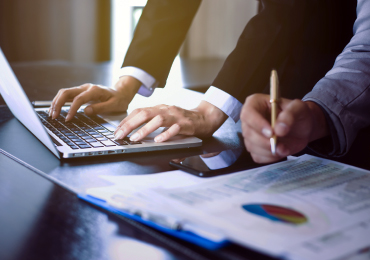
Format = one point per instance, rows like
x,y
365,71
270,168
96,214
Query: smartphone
x,y
215,164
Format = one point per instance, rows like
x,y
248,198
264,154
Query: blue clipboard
x,y
184,235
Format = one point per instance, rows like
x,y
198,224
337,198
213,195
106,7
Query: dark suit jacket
x,y
300,38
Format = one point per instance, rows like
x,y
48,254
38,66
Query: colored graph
x,y
276,213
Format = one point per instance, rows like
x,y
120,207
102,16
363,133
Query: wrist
x,y
127,86
320,127
212,116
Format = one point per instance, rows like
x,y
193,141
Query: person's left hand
x,y
202,121
297,124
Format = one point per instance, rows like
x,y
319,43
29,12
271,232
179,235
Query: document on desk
x,y
303,208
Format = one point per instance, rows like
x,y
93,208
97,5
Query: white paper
x,y
136,183
325,205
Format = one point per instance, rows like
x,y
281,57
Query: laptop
x,y
83,136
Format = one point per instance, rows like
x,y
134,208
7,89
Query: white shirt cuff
x,y
148,81
224,101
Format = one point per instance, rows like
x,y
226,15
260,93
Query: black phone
x,y
217,163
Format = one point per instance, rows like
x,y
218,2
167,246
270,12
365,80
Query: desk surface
x,y
43,218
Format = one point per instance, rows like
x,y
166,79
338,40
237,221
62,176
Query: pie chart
x,y
276,213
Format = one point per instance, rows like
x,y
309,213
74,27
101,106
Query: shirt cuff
x,y
224,101
149,83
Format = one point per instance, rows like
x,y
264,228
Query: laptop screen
x,y
18,103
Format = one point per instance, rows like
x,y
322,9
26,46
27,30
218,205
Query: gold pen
x,y
274,99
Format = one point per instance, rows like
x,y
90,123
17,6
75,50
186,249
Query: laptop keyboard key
x,y
109,127
108,143
84,146
80,143
96,144
89,140
134,142
76,140
120,142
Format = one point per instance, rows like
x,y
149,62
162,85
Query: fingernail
x,y
135,137
89,111
54,114
68,117
158,139
119,135
282,127
266,132
50,111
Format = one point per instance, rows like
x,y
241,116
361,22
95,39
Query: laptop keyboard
x,y
83,132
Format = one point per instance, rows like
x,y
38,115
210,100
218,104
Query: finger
x,y
94,92
264,159
63,96
51,109
265,155
155,110
150,127
63,92
256,143
77,102
142,117
292,112
282,150
128,117
290,145
172,131
254,113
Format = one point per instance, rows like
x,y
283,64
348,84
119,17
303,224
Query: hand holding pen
x,y
294,123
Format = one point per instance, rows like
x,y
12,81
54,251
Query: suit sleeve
x,y
299,38
344,92
262,46
158,36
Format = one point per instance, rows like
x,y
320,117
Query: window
x,y
125,16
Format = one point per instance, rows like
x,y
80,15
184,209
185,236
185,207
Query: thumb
x,y
292,112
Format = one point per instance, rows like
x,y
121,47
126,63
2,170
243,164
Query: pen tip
x,y
273,145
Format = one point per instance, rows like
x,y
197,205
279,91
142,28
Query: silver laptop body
x,y
95,129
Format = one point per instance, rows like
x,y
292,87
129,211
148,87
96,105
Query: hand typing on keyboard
x,y
108,99
202,121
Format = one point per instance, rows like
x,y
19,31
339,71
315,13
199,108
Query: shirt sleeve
x,y
149,83
224,101
344,92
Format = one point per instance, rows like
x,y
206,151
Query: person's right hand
x,y
297,124
108,99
